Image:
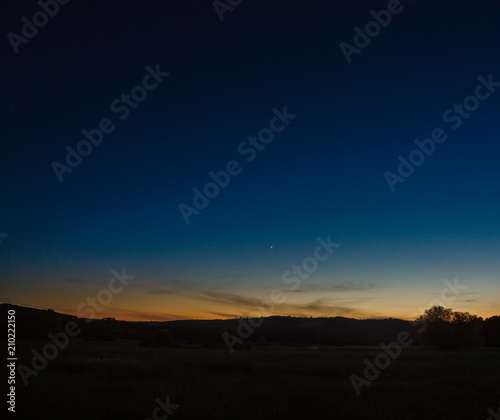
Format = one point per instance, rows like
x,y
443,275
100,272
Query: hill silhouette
x,y
34,323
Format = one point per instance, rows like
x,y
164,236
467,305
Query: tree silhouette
x,y
449,330
491,331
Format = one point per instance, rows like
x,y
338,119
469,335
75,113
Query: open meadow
x,y
121,380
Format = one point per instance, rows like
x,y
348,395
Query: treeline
x,y
444,329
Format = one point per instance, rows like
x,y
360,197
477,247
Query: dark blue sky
x,y
323,175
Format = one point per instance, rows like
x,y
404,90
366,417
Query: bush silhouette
x,y
161,338
261,341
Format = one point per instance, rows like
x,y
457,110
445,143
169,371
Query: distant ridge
x,y
34,323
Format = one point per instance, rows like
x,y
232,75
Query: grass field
x,y
120,380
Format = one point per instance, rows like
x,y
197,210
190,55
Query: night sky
x,y
205,90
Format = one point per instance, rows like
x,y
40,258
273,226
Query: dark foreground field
x,y
120,380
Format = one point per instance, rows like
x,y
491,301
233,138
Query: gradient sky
x,y
322,176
